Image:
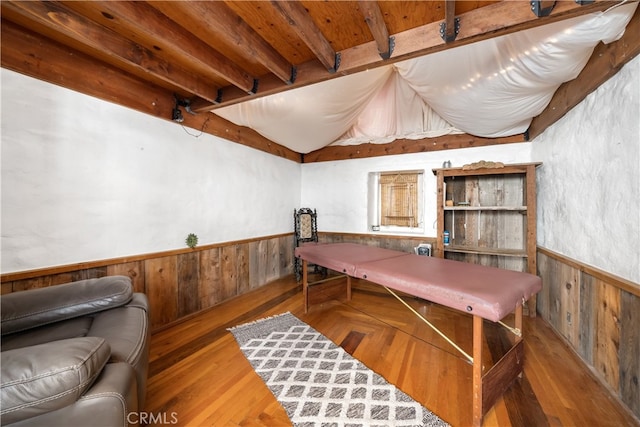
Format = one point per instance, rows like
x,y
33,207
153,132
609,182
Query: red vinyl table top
x,y
343,257
488,292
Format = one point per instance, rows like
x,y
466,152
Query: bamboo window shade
x,y
399,199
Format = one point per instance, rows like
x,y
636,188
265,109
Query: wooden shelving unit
x,y
490,214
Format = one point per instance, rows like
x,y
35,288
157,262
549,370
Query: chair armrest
x,y
111,401
139,300
46,377
37,307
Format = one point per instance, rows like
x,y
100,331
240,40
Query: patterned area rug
x,y
321,385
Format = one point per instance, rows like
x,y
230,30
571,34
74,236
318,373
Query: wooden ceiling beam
x,y
606,61
490,21
34,55
168,34
41,58
297,16
405,146
375,20
224,23
58,17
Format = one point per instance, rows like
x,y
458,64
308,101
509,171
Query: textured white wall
x,y
76,187
589,186
83,179
338,189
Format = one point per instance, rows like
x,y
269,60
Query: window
x,y
395,201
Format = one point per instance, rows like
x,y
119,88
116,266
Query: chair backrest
x,y
305,225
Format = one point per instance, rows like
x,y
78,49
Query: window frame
x,y
374,200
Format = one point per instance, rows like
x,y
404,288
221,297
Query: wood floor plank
x,y
351,342
198,372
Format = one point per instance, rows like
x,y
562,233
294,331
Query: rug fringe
x,y
275,316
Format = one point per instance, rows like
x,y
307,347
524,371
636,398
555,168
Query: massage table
x,y
483,292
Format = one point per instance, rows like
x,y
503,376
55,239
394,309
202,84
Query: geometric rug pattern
x,y
321,385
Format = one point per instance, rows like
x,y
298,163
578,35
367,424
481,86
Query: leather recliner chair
x,y
74,354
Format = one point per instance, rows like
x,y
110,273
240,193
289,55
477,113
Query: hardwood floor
x,y
199,377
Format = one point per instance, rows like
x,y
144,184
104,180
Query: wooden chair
x,y
305,223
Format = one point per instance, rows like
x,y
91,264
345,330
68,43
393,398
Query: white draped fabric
x,y
491,88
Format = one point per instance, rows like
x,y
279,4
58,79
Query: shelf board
x,y
486,251
486,208
507,169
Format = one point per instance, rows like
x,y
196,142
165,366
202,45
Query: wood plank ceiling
x,y
209,54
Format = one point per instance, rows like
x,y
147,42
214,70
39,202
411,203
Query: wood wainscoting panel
x,y
587,325
228,273
607,333
570,302
209,277
396,243
598,316
242,268
57,279
258,263
161,287
135,271
188,283
182,282
630,358
273,260
546,271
